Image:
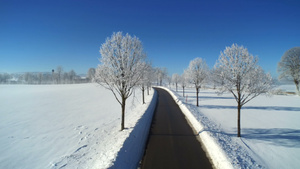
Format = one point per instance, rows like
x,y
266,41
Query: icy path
x,y
172,142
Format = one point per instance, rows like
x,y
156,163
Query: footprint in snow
x,y
80,148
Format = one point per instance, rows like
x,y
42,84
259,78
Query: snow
x,y
290,88
270,129
78,126
70,126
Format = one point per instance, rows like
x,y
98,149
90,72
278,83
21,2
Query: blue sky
x,y
40,35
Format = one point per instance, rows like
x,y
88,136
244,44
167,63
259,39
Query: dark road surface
x,y
172,142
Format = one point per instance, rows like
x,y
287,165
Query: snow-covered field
x,y
69,126
270,127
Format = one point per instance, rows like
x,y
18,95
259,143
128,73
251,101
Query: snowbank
x,y
133,148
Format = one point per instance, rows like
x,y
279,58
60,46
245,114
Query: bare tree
x,y
289,66
176,79
197,72
120,68
238,73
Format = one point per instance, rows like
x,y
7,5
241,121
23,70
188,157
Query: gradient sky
x,y
42,34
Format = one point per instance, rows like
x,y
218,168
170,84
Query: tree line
x,y
237,72
54,76
124,66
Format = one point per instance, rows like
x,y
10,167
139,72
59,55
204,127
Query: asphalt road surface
x,y
172,142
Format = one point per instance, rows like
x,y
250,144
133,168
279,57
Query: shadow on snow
x,y
276,136
276,108
210,97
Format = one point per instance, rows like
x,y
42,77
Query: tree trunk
x,y
197,93
297,86
143,93
239,107
148,90
183,91
123,112
239,120
176,87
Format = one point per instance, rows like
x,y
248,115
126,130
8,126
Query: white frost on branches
x,y
289,66
176,79
183,81
161,74
197,72
237,71
121,66
146,78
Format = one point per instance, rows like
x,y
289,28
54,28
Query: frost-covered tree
x,y
289,66
66,77
40,77
146,76
122,59
169,79
183,81
150,79
29,78
161,73
4,77
91,74
197,72
59,71
176,79
237,71
72,76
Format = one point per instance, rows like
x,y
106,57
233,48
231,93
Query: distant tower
x,y
52,75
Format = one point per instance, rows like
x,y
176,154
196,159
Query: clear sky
x,y
43,34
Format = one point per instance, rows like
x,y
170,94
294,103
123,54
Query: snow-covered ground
x,y
286,88
69,126
270,128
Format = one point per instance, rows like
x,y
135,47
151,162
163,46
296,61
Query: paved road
x,y
172,142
